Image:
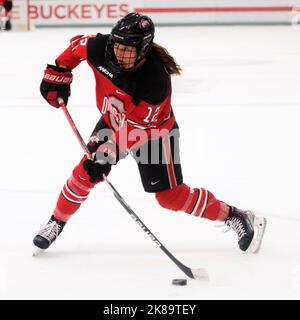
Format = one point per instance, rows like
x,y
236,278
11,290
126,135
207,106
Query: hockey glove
x,y
56,84
102,161
96,170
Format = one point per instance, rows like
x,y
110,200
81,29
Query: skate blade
x,y
200,274
260,224
37,251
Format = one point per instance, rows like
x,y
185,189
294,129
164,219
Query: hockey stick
x,y
192,273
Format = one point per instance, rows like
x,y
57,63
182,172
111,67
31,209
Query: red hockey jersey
x,y
136,106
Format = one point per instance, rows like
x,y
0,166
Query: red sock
x,y
197,202
74,193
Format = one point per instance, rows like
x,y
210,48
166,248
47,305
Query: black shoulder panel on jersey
x,y
96,49
96,57
153,82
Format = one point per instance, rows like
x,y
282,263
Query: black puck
x,y
179,282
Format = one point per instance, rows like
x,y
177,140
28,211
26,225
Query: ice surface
x,y
237,104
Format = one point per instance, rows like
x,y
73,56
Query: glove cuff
x,y
55,75
58,69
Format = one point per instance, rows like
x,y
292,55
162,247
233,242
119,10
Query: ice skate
x,y
46,236
249,229
260,224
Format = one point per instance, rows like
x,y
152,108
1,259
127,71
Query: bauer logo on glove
x,y
56,84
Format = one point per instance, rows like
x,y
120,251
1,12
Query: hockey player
x,y
133,93
5,10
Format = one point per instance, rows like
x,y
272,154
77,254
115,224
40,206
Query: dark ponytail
x,y
170,64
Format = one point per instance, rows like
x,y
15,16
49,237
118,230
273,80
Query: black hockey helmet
x,y
134,30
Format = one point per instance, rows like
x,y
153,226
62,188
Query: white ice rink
x,y
238,107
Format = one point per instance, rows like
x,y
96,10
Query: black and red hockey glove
x,y
56,84
96,170
104,158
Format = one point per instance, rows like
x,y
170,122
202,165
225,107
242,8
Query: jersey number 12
x,y
152,115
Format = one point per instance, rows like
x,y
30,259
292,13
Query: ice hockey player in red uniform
x,y
133,93
5,14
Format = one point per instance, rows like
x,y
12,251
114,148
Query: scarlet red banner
x,y
106,12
